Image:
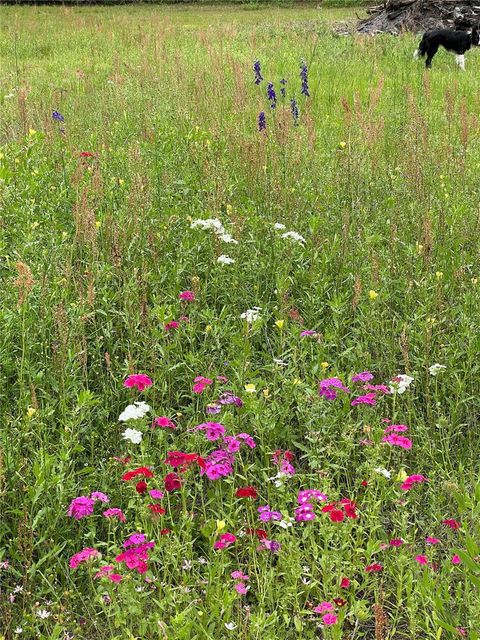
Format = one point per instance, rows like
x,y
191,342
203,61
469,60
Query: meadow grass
x,y
380,177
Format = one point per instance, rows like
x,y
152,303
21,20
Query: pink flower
x,y
421,559
304,513
164,423
369,398
138,380
241,588
430,540
172,482
397,428
266,514
396,542
115,513
329,618
233,445
249,441
456,559
82,556
225,540
213,430
239,575
98,495
188,296
310,494
323,607
80,507
344,583
308,332
364,376
200,383
398,441
172,325
156,494
411,480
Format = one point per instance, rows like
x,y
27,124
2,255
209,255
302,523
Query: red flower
x,y
453,524
141,486
141,471
165,532
178,459
156,508
344,583
364,483
246,492
336,515
373,567
122,460
172,482
86,154
340,602
329,507
260,533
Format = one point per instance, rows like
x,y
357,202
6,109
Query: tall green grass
x,y
381,178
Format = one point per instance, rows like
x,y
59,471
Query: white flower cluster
x,y
436,368
214,224
293,235
223,259
250,315
134,412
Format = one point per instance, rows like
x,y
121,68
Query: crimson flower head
x,y
344,583
141,487
86,154
140,471
164,423
246,492
157,509
453,524
336,515
172,482
372,568
188,296
138,380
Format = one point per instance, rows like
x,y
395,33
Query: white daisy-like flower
x,y
18,630
225,260
133,435
279,225
231,626
134,411
383,472
250,315
43,614
294,236
436,368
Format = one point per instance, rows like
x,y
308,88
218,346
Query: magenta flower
x,y
310,494
233,445
269,545
239,575
164,423
225,540
324,607
421,559
369,398
135,538
266,514
308,333
115,513
329,618
304,513
213,430
364,376
430,540
227,397
188,296
156,494
327,387
398,441
172,325
80,507
249,441
411,480
98,495
396,542
396,428
82,556
456,559
241,588
138,380
200,383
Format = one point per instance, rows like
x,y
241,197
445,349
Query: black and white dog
x,y
457,42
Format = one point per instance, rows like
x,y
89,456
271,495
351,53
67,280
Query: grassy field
x,y
141,160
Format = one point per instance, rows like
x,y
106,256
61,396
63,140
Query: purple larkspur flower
x,y
262,122
294,110
257,71
271,95
57,116
283,92
304,78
